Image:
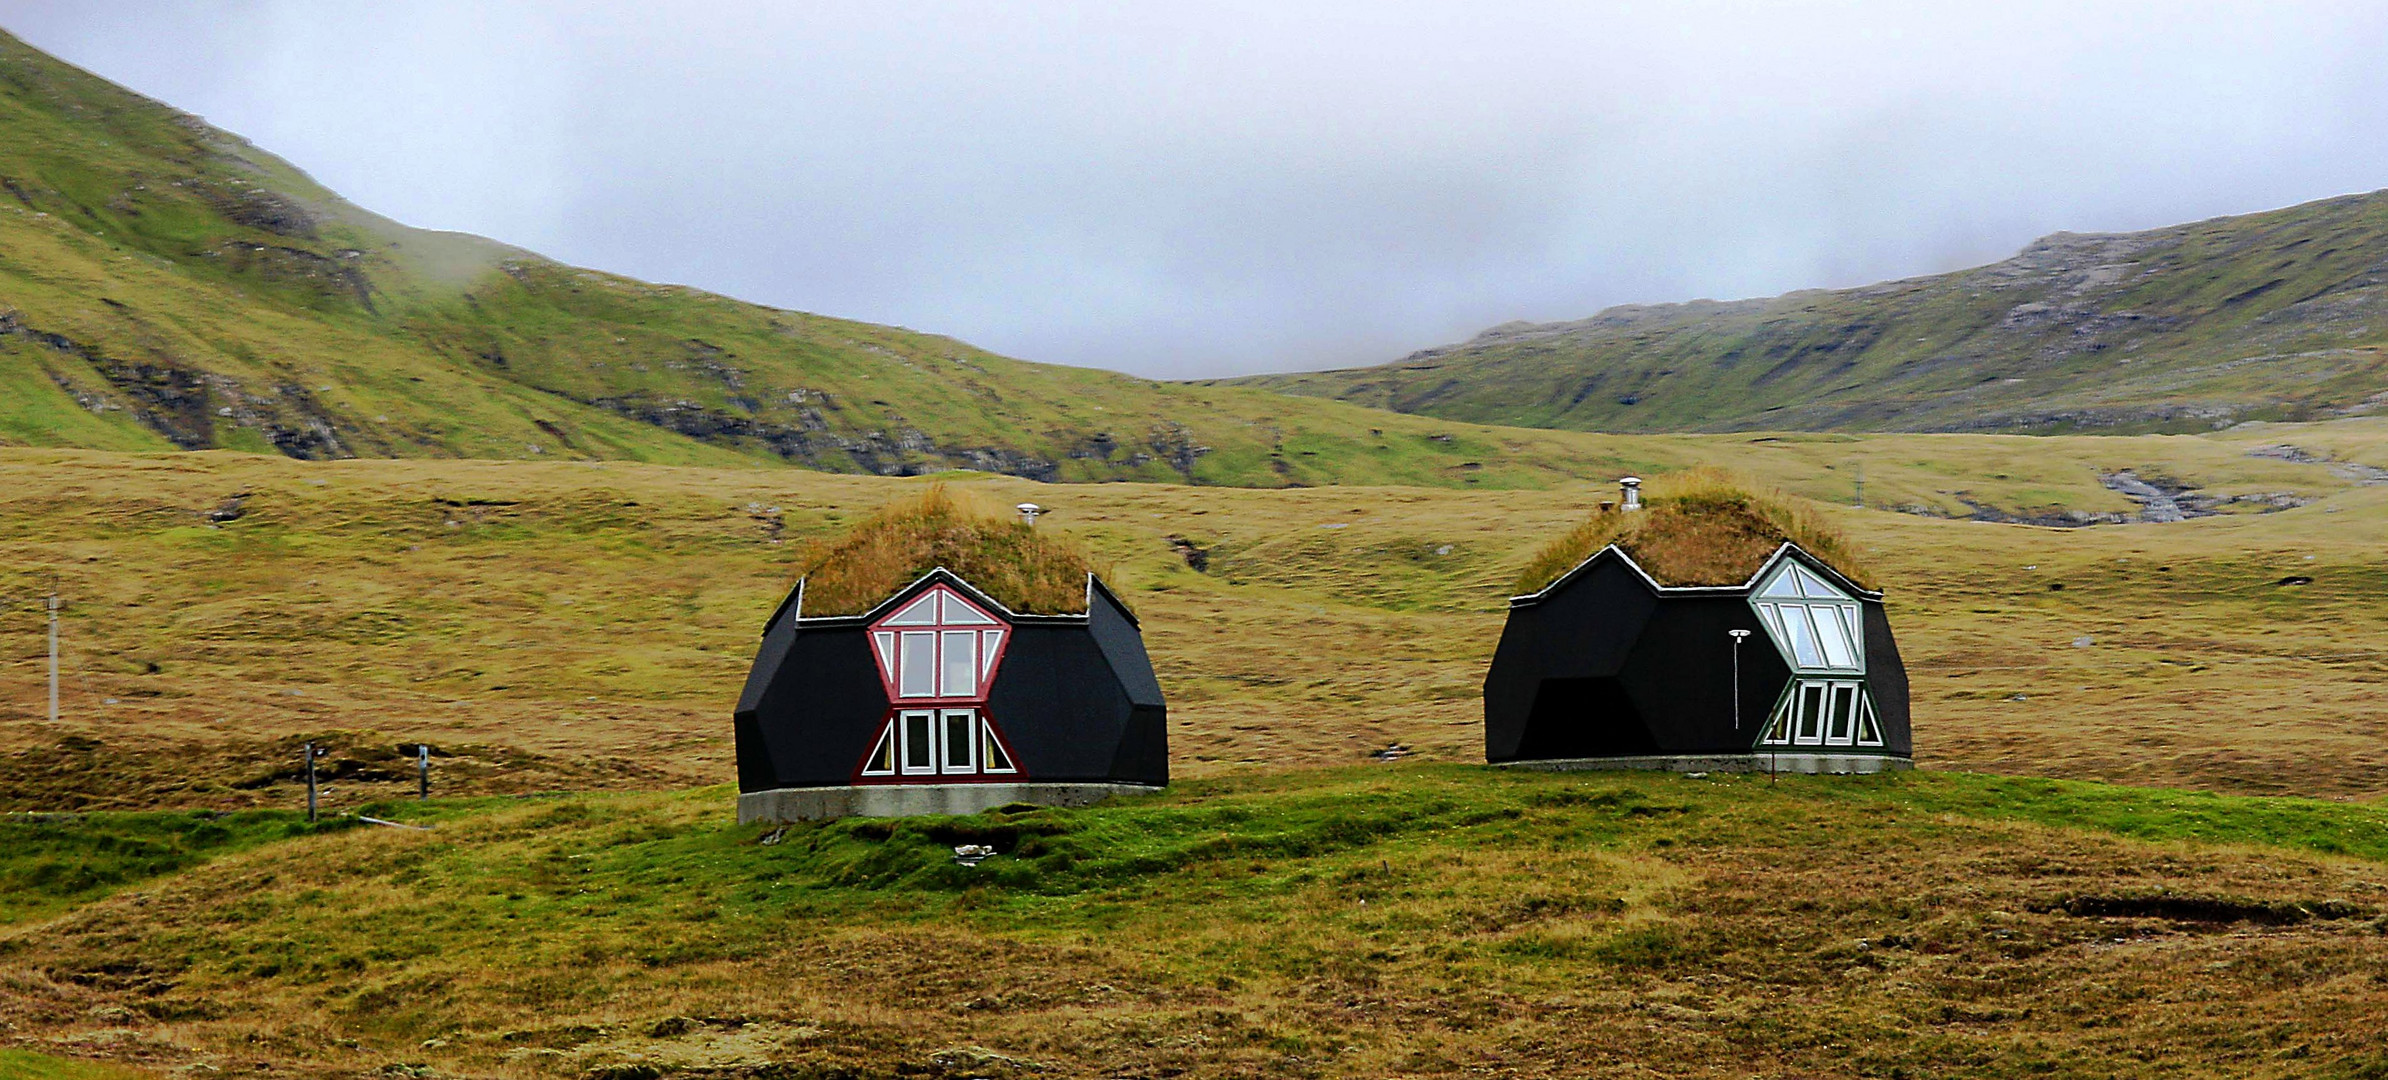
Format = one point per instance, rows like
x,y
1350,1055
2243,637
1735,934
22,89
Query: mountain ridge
x,y
2041,342
167,285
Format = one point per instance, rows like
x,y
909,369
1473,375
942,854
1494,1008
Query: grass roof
x,y
1025,569
1700,527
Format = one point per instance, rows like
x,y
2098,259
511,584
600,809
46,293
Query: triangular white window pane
x,y
1783,586
884,641
958,612
881,761
988,642
1814,586
921,612
1855,622
1869,732
1778,733
993,757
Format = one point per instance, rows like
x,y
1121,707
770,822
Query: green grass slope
x,y
166,285
2278,315
1368,921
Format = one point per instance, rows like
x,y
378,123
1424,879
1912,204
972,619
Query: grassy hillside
x,y
1366,921
2277,315
166,285
570,636
572,625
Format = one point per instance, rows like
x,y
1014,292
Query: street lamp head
x,y
1738,635
1028,512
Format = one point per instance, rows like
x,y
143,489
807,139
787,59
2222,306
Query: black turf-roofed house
x,y
940,700
1793,668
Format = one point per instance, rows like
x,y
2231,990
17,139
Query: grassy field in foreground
x,y
1362,921
586,625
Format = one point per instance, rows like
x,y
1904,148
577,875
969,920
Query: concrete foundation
x,y
907,800
1804,761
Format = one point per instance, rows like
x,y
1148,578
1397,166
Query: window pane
x,y
961,731
1779,731
920,744
1782,585
882,760
1844,715
959,613
1869,731
1811,712
988,642
1803,636
996,760
919,672
1855,620
1833,634
921,612
960,663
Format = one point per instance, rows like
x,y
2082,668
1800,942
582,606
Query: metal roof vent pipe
x,y
1632,493
1028,513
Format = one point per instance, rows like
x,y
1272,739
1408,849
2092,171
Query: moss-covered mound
x,y
1025,569
1699,527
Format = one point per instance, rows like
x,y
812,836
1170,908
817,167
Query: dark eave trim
x,y
937,576
1787,550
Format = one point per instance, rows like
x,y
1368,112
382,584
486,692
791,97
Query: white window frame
x,y
906,686
1868,720
885,745
1789,724
945,741
989,748
957,681
1789,605
903,721
939,648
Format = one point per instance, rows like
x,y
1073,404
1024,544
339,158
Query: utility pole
x,y
53,654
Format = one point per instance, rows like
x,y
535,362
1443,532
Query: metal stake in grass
x,y
422,771
53,656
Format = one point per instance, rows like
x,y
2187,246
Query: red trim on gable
x,y
988,667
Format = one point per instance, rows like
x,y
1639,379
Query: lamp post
x,y
1738,635
1028,513
312,751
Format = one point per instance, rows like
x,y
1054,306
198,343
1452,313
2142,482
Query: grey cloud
x,y
1206,189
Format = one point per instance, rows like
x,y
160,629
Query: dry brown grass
x,y
1024,568
589,624
1702,526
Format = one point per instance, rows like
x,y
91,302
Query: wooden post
x,y
310,782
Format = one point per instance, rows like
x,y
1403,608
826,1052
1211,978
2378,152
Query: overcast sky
x,y
1190,189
